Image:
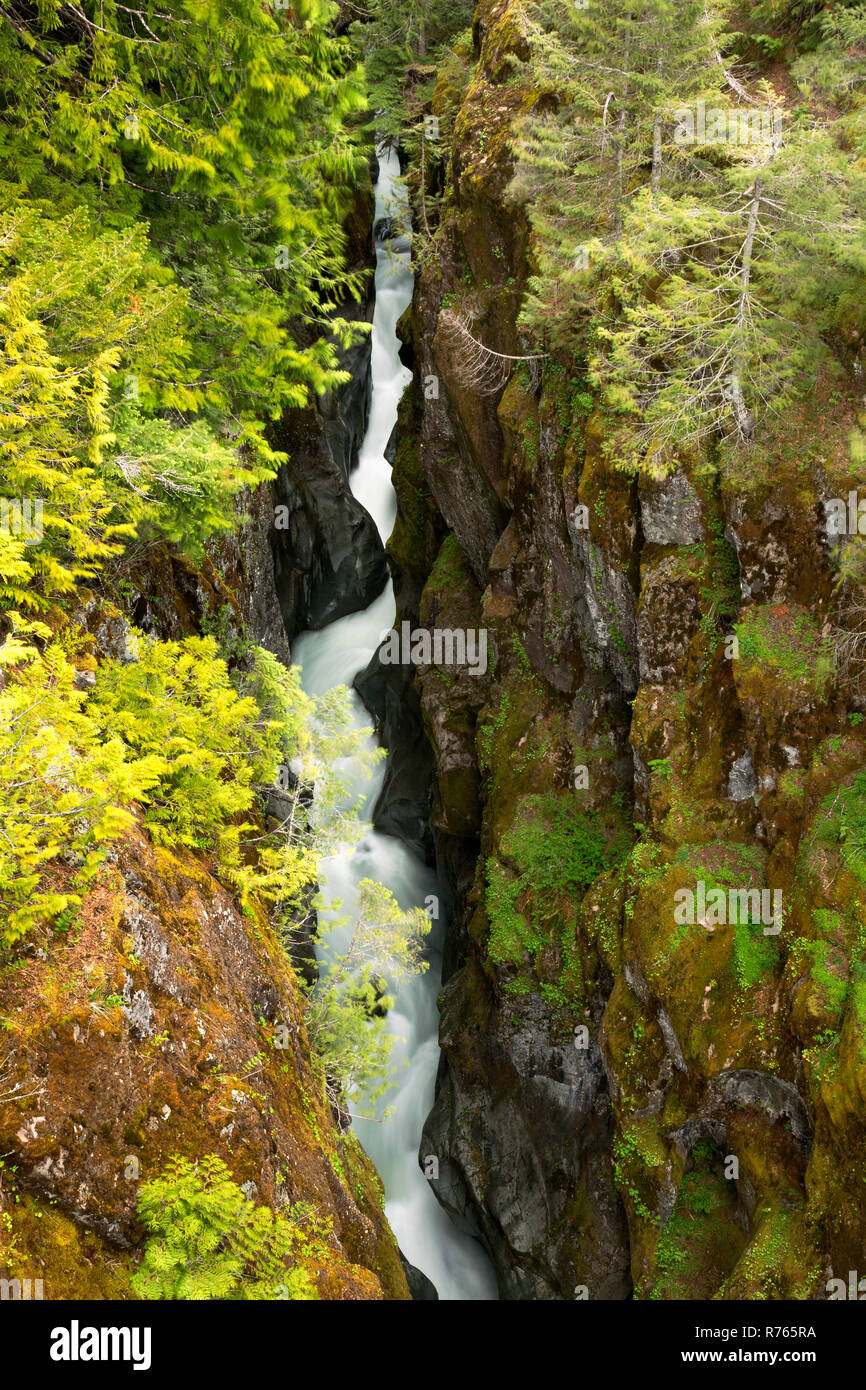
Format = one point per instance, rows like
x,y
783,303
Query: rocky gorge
x,y
628,1105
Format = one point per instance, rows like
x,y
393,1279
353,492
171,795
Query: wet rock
x,y
668,619
329,559
779,1100
114,639
404,804
422,1289
612,609
520,1127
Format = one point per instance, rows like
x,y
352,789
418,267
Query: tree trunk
x,y
742,415
655,182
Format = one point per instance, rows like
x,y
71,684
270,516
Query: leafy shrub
x,y
178,706
844,823
63,786
181,737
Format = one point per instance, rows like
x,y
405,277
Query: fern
x,y
208,1240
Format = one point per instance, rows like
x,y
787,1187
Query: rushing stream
x,y
456,1264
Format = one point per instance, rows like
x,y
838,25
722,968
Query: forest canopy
x,y
173,183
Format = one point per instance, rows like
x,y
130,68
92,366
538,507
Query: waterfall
x,y
457,1265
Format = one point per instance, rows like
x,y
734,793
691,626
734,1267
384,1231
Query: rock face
x,y
171,1024
328,556
404,804
522,1120
169,1021
629,1100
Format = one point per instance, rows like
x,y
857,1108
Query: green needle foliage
x,y
394,35
177,705
64,788
178,736
173,186
346,1009
698,274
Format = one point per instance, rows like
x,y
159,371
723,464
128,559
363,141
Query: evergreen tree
x,y
708,242
721,303
346,1009
173,182
608,76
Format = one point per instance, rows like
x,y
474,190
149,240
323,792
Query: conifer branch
x,y
481,368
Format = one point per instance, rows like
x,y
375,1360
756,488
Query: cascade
x,y
457,1264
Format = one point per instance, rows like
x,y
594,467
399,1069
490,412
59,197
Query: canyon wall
x,y
166,1020
626,1104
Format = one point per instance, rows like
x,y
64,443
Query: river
x,y
457,1265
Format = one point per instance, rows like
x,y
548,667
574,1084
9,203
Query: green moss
x,y
490,729
726,866
634,1153
780,1261
703,1238
450,571
755,955
552,852
832,986
786,641
37,1241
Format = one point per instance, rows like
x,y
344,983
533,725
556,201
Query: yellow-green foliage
x,y
209,1240
173,732
178,706
63,786
77,305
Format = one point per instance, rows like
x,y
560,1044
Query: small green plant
x,y
786,641
346,1009
548,858
208,1240
844,823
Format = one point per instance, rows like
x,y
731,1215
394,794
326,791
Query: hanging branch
x,y
424,186
480,368
730,80
849,644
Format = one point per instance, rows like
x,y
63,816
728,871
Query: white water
x,y
457,1265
